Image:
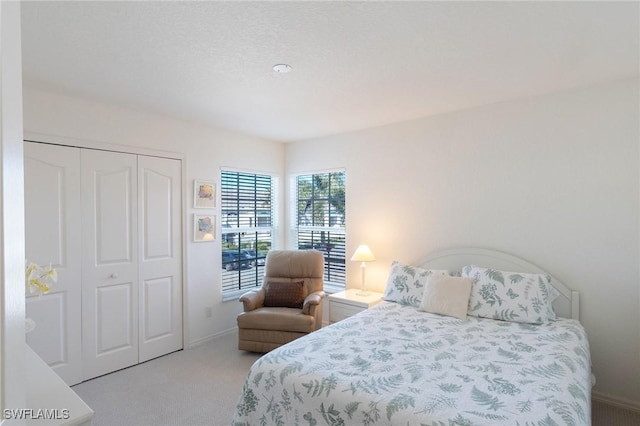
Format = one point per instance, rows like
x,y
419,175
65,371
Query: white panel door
x,y
159,201
53,235
110,262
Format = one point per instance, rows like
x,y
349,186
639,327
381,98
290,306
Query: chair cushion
x,y
284,294
284,319
294,264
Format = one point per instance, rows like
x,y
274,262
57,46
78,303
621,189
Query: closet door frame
x,y
128,149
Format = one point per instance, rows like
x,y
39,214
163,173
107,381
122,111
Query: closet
x,y
110,223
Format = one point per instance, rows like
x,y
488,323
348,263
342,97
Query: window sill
x,y
331,288
227,297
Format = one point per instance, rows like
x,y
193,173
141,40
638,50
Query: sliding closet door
x,y
159,201
52,218
110,262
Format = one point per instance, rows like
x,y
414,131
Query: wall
x,y
552,179
204,149
12,308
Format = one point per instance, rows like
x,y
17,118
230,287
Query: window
x,y
247,222
320,208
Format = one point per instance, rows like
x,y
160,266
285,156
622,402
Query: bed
x,y
394,364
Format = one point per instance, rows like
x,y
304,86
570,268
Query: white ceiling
x,y
355,64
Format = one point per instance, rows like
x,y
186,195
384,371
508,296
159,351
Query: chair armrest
x,y
311,301
253,299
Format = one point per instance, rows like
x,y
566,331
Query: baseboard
x,y
615,401
211,337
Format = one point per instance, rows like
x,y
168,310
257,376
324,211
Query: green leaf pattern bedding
x,y
393,365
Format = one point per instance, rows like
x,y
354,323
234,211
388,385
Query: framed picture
x,y
204,194
204,228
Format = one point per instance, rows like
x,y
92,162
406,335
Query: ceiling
x,y
355,64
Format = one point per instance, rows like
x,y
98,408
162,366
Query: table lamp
x,y
363,254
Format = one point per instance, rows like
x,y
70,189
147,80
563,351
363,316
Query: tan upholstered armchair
x,y
289,303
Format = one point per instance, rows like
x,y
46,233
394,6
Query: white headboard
x,y
567,305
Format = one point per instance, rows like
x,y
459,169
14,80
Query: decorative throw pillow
x,y
553,295
510,296
447,295
405,284
284,294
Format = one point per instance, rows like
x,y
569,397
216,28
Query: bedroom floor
x,y
607,415
200,386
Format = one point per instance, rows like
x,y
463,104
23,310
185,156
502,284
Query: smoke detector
x,y
282,68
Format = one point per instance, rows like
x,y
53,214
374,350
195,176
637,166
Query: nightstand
x,y
347,303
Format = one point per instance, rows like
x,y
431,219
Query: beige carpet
x,y
607,415
200,386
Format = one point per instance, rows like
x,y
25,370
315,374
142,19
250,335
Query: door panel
x,y
113,215
114,318
159,189
158,308
49,337
109,265
45,192
53,235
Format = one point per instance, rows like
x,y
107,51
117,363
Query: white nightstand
x,y
347,303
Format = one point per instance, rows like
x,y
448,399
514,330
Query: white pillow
x,y
447,295
510,296
405,284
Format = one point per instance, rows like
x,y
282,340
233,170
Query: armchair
x,y
289,303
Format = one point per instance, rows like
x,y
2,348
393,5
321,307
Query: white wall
x,y
552,179
12,347
205,150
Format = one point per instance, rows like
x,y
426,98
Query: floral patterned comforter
x,y
394,365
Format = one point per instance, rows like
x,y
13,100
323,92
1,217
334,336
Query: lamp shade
x,y
363,254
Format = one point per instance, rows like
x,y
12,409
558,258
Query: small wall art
x,y
204,227
204,194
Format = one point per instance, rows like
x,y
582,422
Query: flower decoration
x,y
39,279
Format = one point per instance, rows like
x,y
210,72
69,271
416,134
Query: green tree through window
x,y
321,219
